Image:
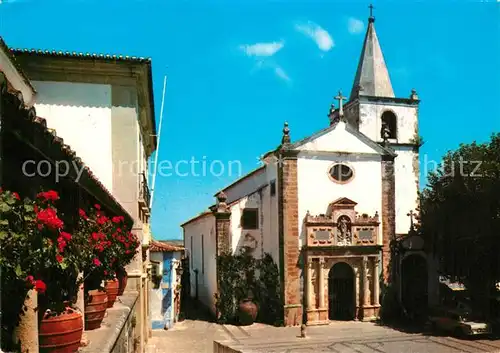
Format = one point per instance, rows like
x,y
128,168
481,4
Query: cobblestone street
x,y
349,337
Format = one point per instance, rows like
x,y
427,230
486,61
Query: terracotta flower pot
x,y
247,312
122,280
112,290
95,308
61,333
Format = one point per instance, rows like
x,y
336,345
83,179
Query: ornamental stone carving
x,y
342,226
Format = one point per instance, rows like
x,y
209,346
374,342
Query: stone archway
x,y
414,285
341,292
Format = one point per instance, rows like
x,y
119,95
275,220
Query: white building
x,y
103,107
325,207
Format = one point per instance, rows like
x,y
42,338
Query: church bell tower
x,y
378,113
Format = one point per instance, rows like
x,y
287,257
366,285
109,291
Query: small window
x,y
341,173
389,124
273,187
250,218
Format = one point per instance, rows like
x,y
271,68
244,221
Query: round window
x,y
341,173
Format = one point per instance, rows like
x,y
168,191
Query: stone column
x,y
366,293
27,331
223,241
222,215
310,285
388,214
321,287
376,282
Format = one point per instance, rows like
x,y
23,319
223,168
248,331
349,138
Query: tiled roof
x,y
157,246
66,149
67,54
12,58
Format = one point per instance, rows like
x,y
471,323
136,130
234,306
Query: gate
x,y
414,286
341,292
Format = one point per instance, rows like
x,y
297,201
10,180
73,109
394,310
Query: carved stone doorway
x,y
414,286
341,292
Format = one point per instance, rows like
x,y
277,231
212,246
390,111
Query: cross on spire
x,y
341,99
411,214
371,18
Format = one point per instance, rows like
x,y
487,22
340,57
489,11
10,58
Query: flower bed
x,y
39,253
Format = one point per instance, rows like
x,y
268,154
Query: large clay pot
x,y
122,280
112,290
247,312
61,333
96,304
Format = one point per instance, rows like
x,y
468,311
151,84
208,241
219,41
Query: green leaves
x,y
4,207
460,213
19,270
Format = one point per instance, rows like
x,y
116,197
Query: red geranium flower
x,y
102,219
82,213
48,195
40,286
49,218
59,258
16,195
66,236
97,206
96,261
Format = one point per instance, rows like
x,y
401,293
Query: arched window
x,y
389,124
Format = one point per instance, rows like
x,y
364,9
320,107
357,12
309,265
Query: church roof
x,y
362,137
372,76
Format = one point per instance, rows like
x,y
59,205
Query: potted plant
x,y
97,268
38,254
126,246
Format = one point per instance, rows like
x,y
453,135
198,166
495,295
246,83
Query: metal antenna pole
x,y
158,144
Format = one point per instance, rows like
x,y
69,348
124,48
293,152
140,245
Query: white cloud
x,y
318,34
355,26
262,49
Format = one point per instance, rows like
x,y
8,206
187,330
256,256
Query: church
x,y
326,207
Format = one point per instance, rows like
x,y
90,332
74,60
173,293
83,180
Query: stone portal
x,y
343,253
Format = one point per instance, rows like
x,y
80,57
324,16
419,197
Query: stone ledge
x,y
104,339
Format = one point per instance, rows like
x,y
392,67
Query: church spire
x,y
372,76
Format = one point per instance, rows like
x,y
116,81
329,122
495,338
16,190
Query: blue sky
x,y
227,99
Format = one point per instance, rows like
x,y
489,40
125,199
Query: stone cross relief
x,y
344,236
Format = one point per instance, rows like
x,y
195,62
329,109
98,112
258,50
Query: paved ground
x,y
350,337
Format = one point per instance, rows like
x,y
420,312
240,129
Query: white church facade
x,y
325,207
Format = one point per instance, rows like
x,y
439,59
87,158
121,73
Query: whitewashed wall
x,y
270,210
256,193
317,190
406,187
77,110
239,235
156,295
246,186
202,257
370,121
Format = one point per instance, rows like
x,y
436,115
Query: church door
x,y
414,286
341,292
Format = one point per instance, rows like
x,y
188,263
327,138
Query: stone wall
x,y
290,242
118,330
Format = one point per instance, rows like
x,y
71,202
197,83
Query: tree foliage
x,y
460,214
